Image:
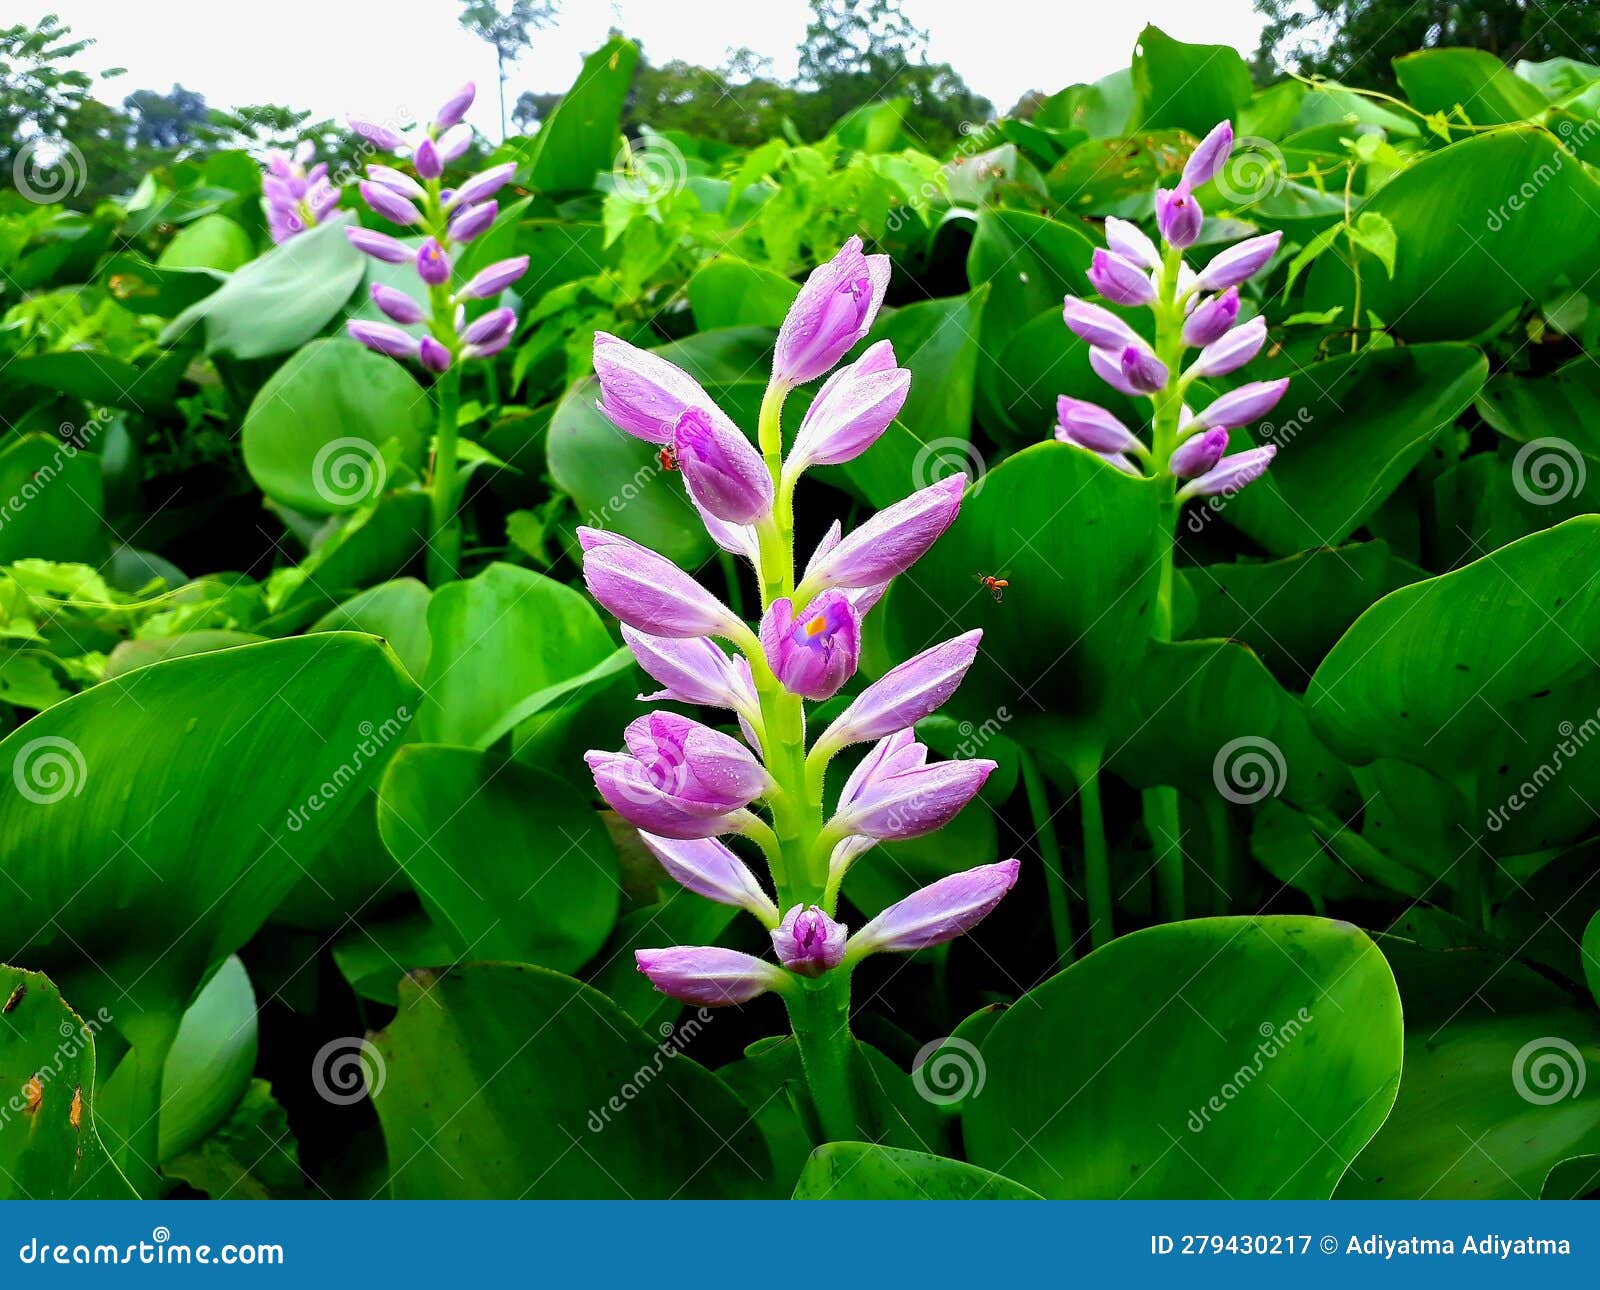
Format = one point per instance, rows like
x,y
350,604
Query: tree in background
x,y
1338,38
741,102
166,120
509,30
857,52
39,94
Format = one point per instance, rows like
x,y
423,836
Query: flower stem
x,y
1096,864
444,533
1055,874
819,1012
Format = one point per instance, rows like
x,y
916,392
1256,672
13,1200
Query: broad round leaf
x,y
866,1171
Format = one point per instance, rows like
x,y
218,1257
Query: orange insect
x,y
995,584
667,457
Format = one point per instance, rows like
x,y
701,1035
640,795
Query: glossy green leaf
x,y
729,292
1189,86
1485,90
582,135
396,611
211,242
495,1075
507,858
1289,1030
51,501
864,1171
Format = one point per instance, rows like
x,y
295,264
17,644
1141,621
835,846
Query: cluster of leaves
x,y
270,785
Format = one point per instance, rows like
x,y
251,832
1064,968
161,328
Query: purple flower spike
x,y
1090,426
1239,407
722,469
708,974
707,868
490,282
938,913
383,338
469,221
1097,326
904,695
455,107
397,305
641,392
914,802
1120,281
693,670
814,655
808,941
484,184
1198,454
426,158
379,136
1178,216
1231,474
1209,157
1232,351
647,591
1238,264
434,356
1133,371
891,541
1130,242
386,202
834,310
433,265
852,409
380,246
1211,318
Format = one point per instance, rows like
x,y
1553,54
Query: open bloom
x,y
815,653
296,193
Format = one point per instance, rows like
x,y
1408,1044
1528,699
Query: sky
x,y
386,58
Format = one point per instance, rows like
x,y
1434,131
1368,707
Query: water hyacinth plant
x,y
295,193
435,331
685,785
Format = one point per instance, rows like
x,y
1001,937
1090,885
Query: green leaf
x,y
253,1156
51,502
1485,90
1563,405
158,291
366,546
1496,1060
507,858
1289,1030
1480,226
1379,408
166,800
280,300
397,611
726,291
1188,86
582,135
313,435
97,378
864,1171
502,1080
211,242
496,639
1373,233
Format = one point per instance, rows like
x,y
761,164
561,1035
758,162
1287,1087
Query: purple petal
x,y
1239,407
433,355
389,204
694,670
1130,242
1090,426
397,304
892,540
1198,454
380,246
1209,157
379,136
1178,216
641,392
383,338
1231,474
915,802
904,695
454,142
708,974
808,941
1238,264
426,158
939,912
647,591
490,282
397,182
722,469
484,184
852,409
834,309
469,221
1232,351
455,107
493,325
708,868
1133,371
1120,281
815,654
1096,325
433,265
1211,318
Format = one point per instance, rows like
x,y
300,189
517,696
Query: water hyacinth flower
x,y
1120,281
1212,318
1230,351
686,785
835,308
297,194
1090,426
